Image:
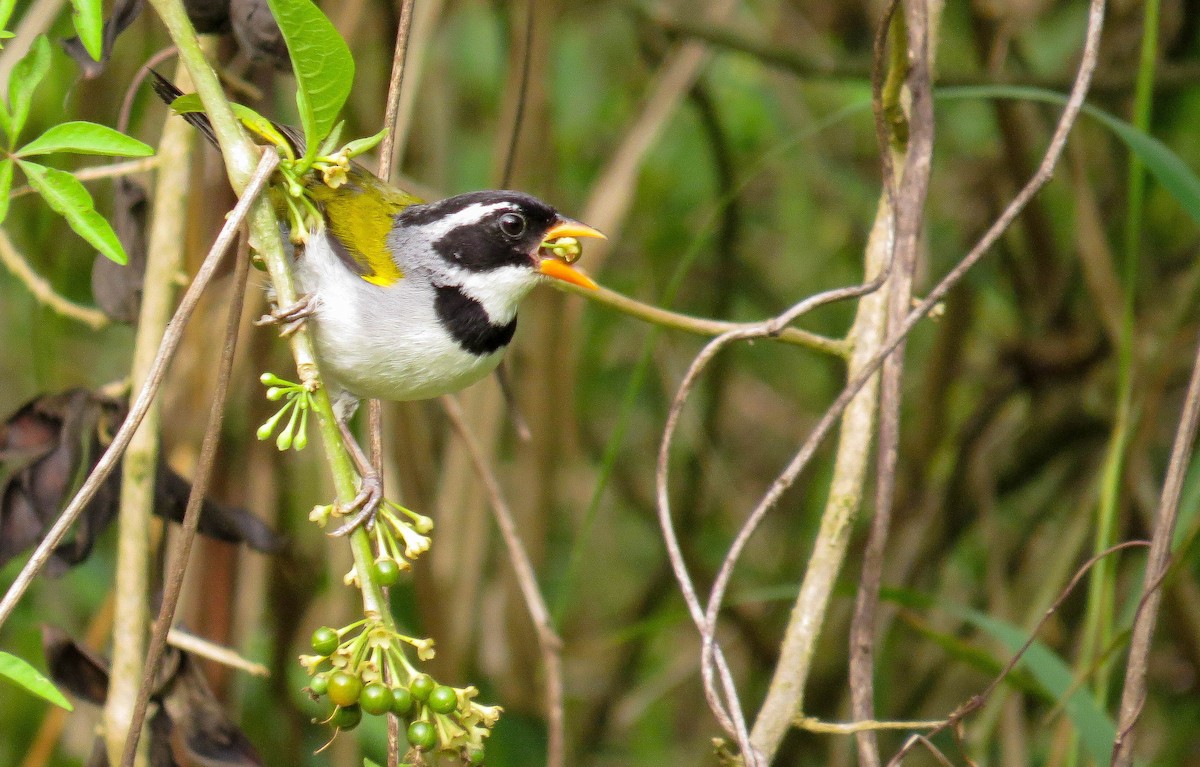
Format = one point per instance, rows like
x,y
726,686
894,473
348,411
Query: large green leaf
x,y
85,138
68,197
24,675
24,79
89,23
1167,168
1095,728
6,174
322,64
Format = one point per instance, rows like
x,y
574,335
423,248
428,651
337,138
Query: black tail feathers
x,y
167,91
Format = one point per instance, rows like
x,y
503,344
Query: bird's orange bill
x,y
561,270
567,227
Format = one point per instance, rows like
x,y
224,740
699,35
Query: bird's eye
x,y
512,224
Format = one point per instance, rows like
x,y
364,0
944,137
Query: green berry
x,y
387,572
401,700
376,699
421,735
325,641
346,717
344,688
443,699
319,684
475,756
421,686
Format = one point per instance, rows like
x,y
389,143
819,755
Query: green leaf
x,y
1096,730
6,9
1167,168
322,64
85,138
6,175
89,23
66,196
25,77
24,675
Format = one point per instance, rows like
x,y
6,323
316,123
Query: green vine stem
x,y
240,158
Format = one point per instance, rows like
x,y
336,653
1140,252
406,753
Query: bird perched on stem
x,y
410,300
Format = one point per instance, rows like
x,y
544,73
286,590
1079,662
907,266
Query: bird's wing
x,y
359,214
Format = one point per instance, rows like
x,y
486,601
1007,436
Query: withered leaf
x,y
189,726
47,448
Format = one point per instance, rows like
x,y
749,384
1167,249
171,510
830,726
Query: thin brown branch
x,y
178,561
1133,696
202,648
96,172
43,291
137,411
549,643
387,154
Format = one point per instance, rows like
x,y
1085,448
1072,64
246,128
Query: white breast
x,y
382,342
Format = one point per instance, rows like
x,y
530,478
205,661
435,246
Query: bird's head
x,y
496,245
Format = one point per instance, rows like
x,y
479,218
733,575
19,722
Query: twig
x,y
42,290
96,172
812,724
178,561
701,326
203,648
910,212
549,643
387,152
510,157
976,701
137,411
1133,696
800,460
731,720
387,147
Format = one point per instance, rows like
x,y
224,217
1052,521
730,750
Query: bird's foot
x,y
365,506
292,316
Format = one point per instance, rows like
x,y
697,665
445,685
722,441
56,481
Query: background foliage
x,y
759,190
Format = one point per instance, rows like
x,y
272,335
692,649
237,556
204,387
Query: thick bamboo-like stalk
x,y
164,260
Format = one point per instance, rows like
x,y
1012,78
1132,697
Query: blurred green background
x,y
759,189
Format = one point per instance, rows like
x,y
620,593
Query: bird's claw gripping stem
x,y
292,316
370,495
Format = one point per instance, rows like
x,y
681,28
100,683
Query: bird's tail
x,y
167,91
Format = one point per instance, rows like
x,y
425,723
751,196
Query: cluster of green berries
x,y
362,669
299,401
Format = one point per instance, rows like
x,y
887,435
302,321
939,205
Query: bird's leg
x,y
292,316
370,490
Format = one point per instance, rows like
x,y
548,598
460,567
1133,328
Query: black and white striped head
x,y
489,243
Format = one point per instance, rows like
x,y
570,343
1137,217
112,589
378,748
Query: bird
x,y
410,300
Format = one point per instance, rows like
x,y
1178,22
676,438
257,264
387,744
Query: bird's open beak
x,y
556,266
